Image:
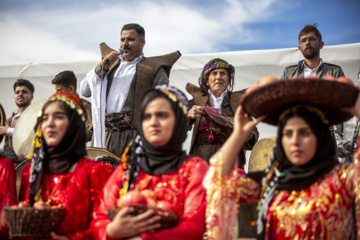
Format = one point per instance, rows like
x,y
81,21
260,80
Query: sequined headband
x,y
175,95
71,100
312,109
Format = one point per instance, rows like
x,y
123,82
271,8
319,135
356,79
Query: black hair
x,y
310,28
139,29
26,83
66,79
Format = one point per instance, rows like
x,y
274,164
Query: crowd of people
x,y
310,189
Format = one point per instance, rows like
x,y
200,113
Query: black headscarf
x,y
293,177
58,159
160,159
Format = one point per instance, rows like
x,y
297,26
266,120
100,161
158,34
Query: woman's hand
x,y
125,225
243,128
243,125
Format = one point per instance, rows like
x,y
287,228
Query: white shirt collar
x,y
136,60
310,72
217,101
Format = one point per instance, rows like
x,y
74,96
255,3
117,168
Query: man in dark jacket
x,y
310,43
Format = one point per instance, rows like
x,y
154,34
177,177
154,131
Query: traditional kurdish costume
x,y
312,201
167,170
49,178
115,97
7,192
206,139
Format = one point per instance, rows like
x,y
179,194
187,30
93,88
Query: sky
x,y
51,31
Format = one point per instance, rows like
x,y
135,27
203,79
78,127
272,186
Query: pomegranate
x,y
132,198
330,78
312,77
149,194
151,203
267,79
164,205
251,88
41,205
23,204
345,80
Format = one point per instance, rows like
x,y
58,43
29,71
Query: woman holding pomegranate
x,y
59,173
155,172
304,193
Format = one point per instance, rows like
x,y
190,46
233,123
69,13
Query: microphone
x,y
118,53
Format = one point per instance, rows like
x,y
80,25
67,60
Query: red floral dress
x,y
7,191
182,188
76,191
322,211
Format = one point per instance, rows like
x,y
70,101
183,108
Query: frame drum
x,y
24,129
261,153
2,120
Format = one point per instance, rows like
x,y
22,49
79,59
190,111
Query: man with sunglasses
x,y
310,43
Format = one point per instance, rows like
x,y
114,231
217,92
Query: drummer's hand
x,y
58,237
112,57
125,225
243,125
354,110
3,129
21,157
196,112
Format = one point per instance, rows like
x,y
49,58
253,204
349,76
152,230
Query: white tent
x,y
250,66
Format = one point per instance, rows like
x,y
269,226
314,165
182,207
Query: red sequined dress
x,y
7,191
322,211
182,188
76,191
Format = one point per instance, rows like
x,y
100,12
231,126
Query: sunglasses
x,y
311,39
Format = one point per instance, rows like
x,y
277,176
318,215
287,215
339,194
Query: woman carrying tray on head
x,y
59,173
304,193
156,161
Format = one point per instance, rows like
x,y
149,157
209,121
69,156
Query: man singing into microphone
x,y
117,84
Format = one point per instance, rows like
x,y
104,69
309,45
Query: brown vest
x,y
146,71
201,99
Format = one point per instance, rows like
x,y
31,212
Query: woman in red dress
x,y
7,192
156,162
59,173
304,193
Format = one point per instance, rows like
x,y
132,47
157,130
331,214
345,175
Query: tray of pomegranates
x,y
141,201
37,221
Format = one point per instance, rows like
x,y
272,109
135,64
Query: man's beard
x,y
23,104
314,53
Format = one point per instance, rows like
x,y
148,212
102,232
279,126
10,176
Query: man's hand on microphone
x,y
110,59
